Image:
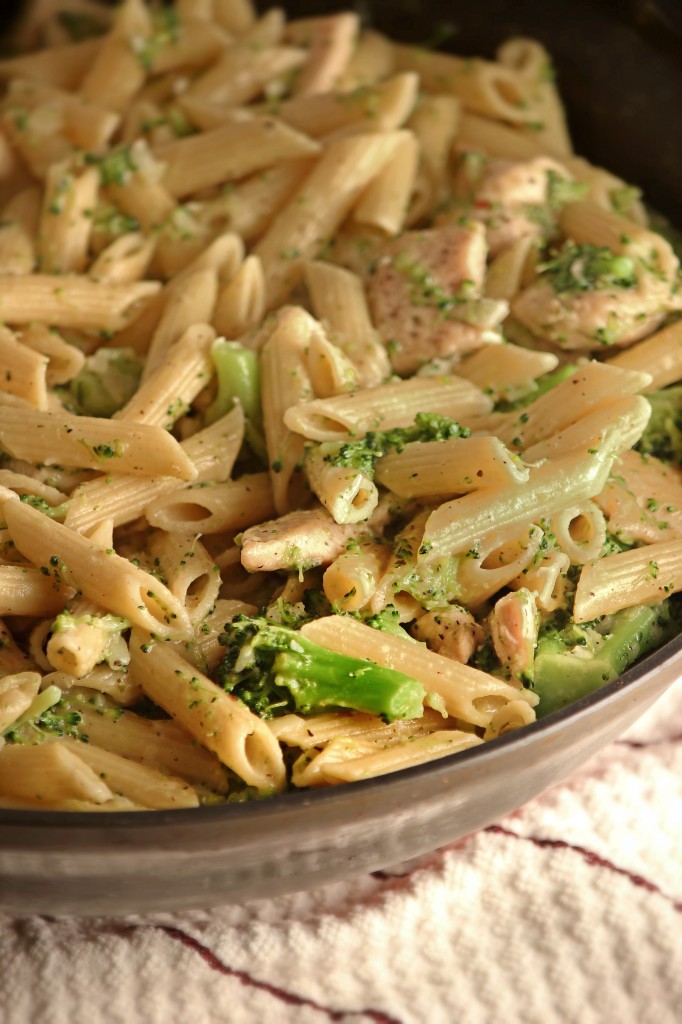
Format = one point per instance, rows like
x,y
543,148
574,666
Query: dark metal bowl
x,y
620,72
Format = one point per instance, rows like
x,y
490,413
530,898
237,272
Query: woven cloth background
x,y
567,911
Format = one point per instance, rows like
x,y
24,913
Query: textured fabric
x,y
567,911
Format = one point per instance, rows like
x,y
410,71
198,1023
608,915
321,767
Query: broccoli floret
x,y
577,659
561,190
115,167
108,380
582,268
275,670
362,454
663,434
388,621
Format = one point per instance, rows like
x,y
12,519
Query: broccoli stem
x,y
238,380
321,678
274,669
562,676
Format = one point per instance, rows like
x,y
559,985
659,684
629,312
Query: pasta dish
x,y
340,406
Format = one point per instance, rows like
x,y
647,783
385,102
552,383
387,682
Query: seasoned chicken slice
x,y
587,297
514,629
452,632
643,499
425,295
512,199
297,540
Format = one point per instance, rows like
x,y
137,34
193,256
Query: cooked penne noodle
x,y
242,74
23,371
229,153
383,107
338,299
17,692
352,578
241,302
212,451
285,382
170,389
213,508
346,760
91,443
590,386
330,41
66,219
460,525
505,368
136,782
640,576
303,227
384,203
49,775
18,232
349,496
460,686
64,360
482,86
98,573
659,355
71,301
454,466
386,406
215,719
26,591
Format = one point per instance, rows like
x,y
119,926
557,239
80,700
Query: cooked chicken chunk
x,y
587,297
297,540
425,295
514,629
643,499
512,199
452,632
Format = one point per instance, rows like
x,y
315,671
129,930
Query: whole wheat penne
x,y
99,573
215,719
454,466
71,301
214,508
459,685
91,443
386,406
228,153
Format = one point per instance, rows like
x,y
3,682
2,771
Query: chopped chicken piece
x,y
514,629
643,499
425,295
512,199
452,632
297,540
587,297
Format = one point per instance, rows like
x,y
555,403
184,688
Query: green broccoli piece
x,y
582,268
539,388
561,190
388,621
238,380
115,167
27,728
577,659
108,380
362,454
275,670
663,434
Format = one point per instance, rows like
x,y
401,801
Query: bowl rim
x,y
292,800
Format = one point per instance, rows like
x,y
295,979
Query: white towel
x,y
568,910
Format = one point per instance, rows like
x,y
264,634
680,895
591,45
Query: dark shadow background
x,y
619,68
